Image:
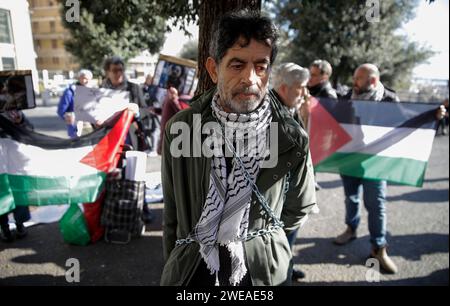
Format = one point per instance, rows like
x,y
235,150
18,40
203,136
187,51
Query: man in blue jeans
x,y
367,86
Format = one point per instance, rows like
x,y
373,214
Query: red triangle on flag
x,y
326,135
106,154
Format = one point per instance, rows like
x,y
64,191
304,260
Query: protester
x,y
319,85
116,79
367,86
224,215
289,84
21,213
172,105
443,122
66,103
151,122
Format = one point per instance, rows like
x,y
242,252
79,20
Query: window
x,y
35,25
5,27
54,44
8,63
52,26
50,3
55,60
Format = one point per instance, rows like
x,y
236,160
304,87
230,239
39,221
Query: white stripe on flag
x,y
22,159
413,143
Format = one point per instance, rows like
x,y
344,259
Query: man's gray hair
x,y
85,72
324,67
288,73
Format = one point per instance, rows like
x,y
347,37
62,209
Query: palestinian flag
x,y
374,140
36,169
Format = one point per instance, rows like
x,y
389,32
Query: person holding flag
x,y
367,86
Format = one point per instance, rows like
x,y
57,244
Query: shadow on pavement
x,y
138,263
433,180
439,277
423,195
410,247
330,184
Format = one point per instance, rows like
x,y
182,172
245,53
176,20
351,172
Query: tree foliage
x,y
340,32
121,27
190,50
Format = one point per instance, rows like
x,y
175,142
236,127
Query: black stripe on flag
x,y
387,114
26,136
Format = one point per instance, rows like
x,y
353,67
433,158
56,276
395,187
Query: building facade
x,y
49,35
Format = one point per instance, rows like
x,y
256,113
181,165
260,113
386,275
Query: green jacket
x,y
185,183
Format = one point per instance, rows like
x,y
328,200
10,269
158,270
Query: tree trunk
x,y
210,11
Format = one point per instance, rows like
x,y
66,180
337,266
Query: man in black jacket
x,y
319,84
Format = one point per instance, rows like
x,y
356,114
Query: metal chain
x,y
277,224
249,236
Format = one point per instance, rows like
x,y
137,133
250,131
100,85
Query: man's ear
x,y
211,67
373,81
282,90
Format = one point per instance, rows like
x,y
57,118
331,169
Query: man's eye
x,y
261,68
237,66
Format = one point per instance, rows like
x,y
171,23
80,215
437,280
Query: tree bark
x,y
210,11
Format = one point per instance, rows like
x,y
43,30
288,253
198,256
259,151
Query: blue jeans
x,y
374,195
292,236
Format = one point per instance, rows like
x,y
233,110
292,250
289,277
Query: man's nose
x,y
249,76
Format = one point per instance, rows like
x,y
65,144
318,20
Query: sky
x,y
430,28
176,40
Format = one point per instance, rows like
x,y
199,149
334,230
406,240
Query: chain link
x,y
249,236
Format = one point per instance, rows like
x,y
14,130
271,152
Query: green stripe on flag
x,y
399,170
37,190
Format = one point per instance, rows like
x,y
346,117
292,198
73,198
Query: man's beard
x,y
244,106
362,90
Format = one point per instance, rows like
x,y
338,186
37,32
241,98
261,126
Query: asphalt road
x,y
418,236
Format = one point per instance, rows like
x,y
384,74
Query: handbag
x,y
122,208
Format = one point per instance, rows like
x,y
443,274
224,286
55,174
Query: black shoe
x,y
6,235
147,216
21,231
297,274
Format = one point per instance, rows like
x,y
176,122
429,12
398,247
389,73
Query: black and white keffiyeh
x,y
224,219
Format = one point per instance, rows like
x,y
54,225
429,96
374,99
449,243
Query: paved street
x,y
418,227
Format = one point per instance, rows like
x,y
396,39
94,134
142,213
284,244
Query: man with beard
x,y
226,215
367,86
